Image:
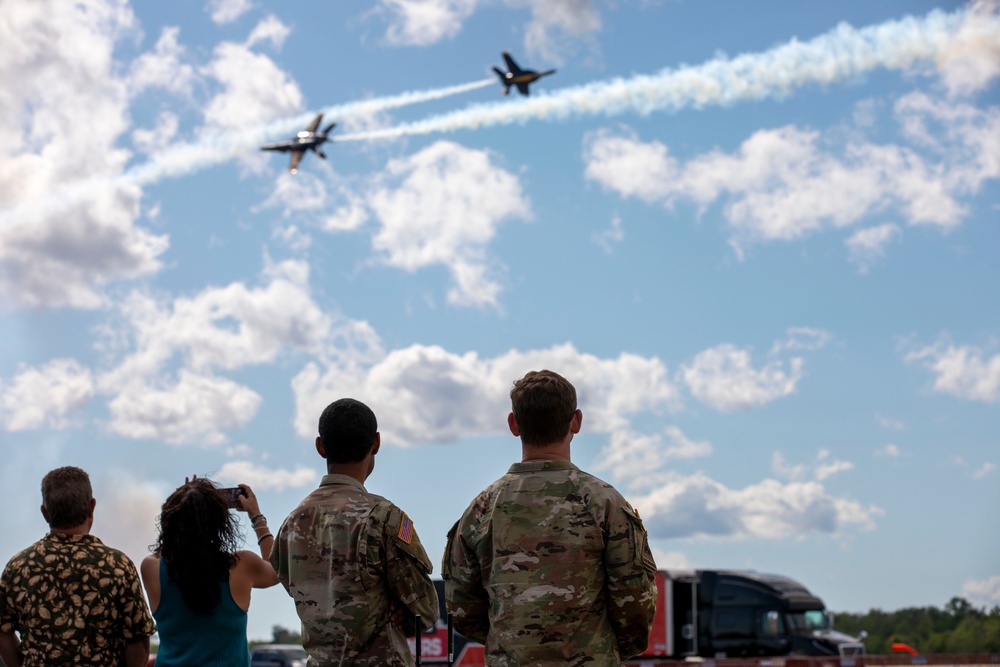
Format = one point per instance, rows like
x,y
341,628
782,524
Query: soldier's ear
x,y
512,425
320,449
376,443
576,422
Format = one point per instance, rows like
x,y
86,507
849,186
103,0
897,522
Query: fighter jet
x,y
308,139
515,76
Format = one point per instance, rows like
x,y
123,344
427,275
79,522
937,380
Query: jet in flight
x,y
308,139
515,76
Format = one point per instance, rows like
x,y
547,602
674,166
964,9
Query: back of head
x,y
66,496
543,404
198,540
348,429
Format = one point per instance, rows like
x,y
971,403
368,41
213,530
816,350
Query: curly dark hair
x,y
198,540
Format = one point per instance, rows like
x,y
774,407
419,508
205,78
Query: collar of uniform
x,y
64,538
331,479
539,466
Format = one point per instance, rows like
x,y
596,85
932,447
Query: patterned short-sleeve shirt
x,y
73,601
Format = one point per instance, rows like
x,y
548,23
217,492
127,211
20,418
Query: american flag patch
x,y
405,529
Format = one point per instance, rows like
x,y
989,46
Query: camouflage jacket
x,y
348,558
74,601
551,566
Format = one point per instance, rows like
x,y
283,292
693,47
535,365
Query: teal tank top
x,y
188,639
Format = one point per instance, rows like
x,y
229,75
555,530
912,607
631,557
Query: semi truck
x,y
704,614
741,613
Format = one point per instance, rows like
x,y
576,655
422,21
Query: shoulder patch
x,y
405,533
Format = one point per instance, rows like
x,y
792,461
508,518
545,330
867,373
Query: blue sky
x,y
759,238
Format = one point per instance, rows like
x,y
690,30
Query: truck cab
x,y
737,613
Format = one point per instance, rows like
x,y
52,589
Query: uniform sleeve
x,y
631,581
465,596
279,556
408,569
135,618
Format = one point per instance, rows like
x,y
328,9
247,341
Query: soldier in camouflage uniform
x,y
550,565
351,559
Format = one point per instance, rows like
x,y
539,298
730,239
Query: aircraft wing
x,y
523,88
280,146
315,124
511,65
296,158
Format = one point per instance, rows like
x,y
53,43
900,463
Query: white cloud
x,y
802,338
724,378
227,11
224,328
427,394
784,184
163,67
697,506
891,451
614,234
269,29
886,422
195,409
45,396
867,246
961,371
984,470
255,89
423,22
260,478
157,138
630,167
552,23
670,560
62,113
443,206
984,592
782,468
635,458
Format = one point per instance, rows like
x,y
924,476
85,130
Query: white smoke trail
x,y
219,147
839,54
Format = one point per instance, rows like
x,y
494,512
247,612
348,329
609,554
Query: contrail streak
x,y
220,147
839,54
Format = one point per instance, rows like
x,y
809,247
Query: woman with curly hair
x,y
197,580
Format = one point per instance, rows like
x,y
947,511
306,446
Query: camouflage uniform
x,y
551,566
74,601
347,557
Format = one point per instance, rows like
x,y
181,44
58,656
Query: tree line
x,y
958,628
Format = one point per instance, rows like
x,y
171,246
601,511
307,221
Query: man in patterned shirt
x,y
72,600
549,565
352,560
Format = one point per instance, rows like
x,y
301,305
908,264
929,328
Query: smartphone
x,y
232,495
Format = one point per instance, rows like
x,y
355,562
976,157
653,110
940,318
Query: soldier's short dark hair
x,y
347,427
66,496
543,403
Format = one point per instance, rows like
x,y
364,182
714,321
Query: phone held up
x,y
232,495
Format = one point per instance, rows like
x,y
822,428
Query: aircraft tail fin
x,y
329,127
